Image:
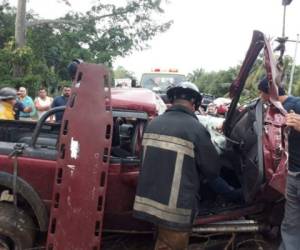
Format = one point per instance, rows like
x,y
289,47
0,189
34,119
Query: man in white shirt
x,y
42,102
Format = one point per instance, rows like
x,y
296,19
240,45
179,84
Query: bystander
x,y
61,101
293,120
27,102
290,227
42,102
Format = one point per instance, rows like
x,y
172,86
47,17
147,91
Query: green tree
x,y
99,35
217,82
121,72
296,82
7,17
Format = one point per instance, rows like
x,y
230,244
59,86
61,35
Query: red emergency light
x,y
172,70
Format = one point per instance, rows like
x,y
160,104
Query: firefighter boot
x,y
171,240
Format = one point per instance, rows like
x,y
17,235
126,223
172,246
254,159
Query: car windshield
x,y
206,99
160,82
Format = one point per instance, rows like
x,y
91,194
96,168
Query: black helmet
x,y
185,90
72,67
8,93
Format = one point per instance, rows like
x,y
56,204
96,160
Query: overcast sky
x,y
209,34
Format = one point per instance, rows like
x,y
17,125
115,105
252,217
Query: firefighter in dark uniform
x,y
177,155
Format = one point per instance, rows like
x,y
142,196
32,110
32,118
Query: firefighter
x,y
177,155
8,98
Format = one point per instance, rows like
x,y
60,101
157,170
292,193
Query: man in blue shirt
x,y
27,103
61,101
290,227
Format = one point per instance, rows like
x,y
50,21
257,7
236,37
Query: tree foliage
x,y
100,35
7,18
121,72
217,82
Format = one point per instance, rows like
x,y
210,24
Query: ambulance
x,y
159,80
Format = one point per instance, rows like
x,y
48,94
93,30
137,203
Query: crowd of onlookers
x,y
18,105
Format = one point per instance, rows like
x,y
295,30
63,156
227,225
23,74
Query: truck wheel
x,y
17,229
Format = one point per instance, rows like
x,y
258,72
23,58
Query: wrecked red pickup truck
x,y
35,189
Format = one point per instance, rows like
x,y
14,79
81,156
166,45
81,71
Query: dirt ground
x,y
208,242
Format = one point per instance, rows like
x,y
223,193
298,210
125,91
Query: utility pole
x,y
20,24
282,41
20,31
293,67
283,23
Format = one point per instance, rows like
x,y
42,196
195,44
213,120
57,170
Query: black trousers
x,y
290,227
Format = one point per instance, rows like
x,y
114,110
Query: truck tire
x,y
17,230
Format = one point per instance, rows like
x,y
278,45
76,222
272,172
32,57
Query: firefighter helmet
x,y
185,90
8,93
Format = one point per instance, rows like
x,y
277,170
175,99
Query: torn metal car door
x,y
275,136
263,154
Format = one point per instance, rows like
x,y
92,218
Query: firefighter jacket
x,y
177,155
6,111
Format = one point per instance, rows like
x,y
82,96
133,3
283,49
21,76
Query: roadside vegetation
x,y
217,82
99,35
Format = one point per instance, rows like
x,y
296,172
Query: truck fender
x,y
27,192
